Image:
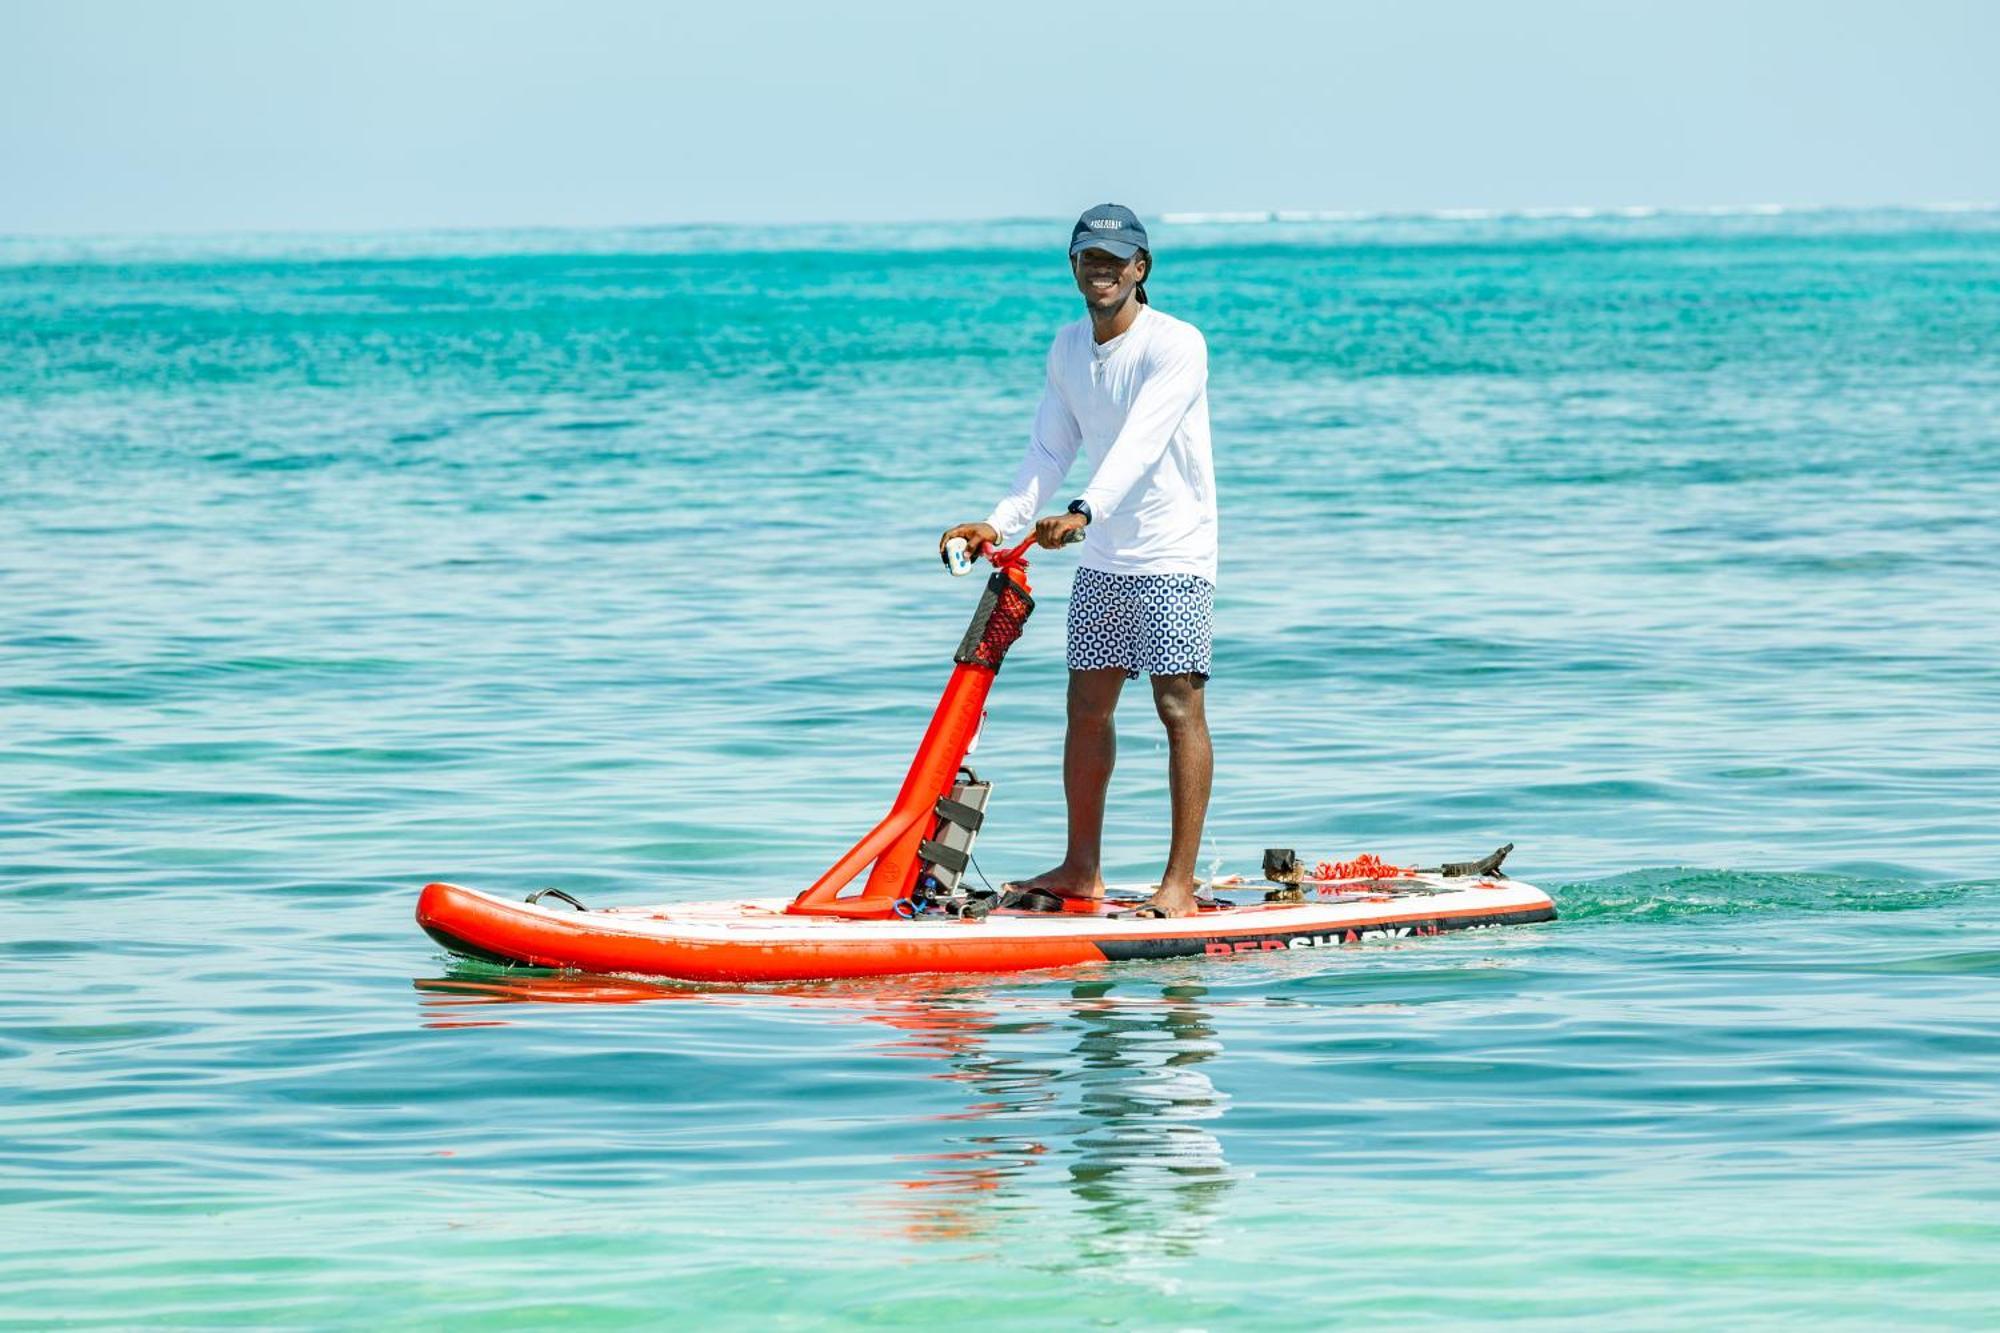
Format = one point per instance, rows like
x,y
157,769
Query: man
x,y
1127,388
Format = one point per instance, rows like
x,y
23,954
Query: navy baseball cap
x,y
1110,227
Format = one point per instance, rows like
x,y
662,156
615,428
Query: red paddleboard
x,y
759,940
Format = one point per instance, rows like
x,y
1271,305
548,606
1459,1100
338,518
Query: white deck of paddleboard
x,y
765,921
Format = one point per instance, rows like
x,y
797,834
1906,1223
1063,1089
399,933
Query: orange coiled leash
x,y
1365,866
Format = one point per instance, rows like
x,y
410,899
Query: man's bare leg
x,y
1090,748
1190,774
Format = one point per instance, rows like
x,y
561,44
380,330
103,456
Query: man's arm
x,y
1173,383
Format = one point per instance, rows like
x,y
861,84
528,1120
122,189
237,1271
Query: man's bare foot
x,y
1167,901
1065,881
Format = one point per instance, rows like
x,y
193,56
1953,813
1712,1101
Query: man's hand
x,y
977,535
1059,530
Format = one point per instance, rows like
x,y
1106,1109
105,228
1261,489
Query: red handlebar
x,y
1013,557
1016,557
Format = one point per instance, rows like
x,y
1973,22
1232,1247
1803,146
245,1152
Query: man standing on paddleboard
x,y
1128,389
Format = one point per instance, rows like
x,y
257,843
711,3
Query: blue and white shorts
x,y
1159,624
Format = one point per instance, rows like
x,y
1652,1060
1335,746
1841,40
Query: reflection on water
x,y
1101,1088
1146,1168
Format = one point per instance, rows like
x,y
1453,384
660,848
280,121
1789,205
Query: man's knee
x,y
1179,701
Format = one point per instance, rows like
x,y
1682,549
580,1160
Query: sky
x,y
126,117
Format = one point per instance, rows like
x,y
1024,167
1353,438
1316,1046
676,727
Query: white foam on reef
x,y
1201,219
1571,212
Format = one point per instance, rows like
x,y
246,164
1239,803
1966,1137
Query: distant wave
x,y
1578,212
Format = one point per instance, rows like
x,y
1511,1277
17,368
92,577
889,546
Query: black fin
x,y
1485,865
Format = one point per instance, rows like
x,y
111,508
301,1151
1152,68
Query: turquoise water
x,y
1662,546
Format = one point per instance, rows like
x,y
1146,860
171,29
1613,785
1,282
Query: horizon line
x,y
1165,217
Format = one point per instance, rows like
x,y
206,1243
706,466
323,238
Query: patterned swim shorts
x,y
1159,624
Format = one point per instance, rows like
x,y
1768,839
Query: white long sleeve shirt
x,y
1137,409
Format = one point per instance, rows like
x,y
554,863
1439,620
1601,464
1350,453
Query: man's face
x,y
1105,280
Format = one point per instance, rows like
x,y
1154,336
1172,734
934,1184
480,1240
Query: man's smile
x,y
1104,279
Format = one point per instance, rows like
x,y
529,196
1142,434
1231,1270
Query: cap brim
x,y
1117,249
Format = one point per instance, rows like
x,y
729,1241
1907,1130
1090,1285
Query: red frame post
x,y
891,846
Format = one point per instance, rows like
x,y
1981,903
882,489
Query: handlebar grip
x,y
957,556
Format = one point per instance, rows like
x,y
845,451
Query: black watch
x,y
1082,507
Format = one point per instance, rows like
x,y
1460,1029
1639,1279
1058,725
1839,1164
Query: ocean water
x,y
1660,545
